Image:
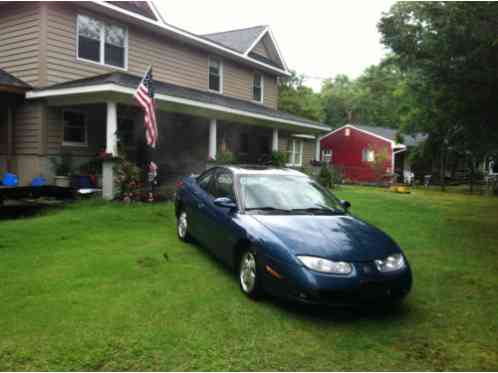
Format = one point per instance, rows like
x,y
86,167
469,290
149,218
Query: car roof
x,y
261,170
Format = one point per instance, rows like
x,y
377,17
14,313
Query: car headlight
x,y
325,265
392,263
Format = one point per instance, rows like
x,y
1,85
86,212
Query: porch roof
x,y
119,82
9,83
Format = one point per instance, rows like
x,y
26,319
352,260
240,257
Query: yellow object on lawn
x,y
399,189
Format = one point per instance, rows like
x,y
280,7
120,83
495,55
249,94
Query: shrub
x,y
226,157
63,165
325,177
278,159
128,179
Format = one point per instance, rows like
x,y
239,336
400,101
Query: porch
x,y
84,119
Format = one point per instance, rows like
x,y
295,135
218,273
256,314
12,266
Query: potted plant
x,y
62,168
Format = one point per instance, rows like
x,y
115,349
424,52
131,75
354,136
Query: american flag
x,y
145,97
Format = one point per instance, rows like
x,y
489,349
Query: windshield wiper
x,y
267,208
320,208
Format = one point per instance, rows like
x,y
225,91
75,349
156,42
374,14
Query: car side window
x,y
224,185
204,181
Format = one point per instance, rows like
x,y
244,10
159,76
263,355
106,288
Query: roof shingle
x,y
132,81
239,40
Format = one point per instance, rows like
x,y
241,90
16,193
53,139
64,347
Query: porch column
x,y
274,143
111,148
317,148
212,138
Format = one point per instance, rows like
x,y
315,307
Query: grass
x,y
101,286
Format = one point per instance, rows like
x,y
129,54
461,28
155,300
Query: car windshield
x,y
286,194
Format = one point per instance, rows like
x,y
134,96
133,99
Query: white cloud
x,y
317,38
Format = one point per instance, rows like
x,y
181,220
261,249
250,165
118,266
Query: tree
x,y
297,99
452,49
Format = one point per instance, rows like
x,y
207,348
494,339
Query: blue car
x,y
287,236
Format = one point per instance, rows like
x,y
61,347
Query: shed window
x,y
326,155
102,42
215,75
368,155
257,90
75,130
295,153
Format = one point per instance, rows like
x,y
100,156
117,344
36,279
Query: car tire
x,y
182,226
249,274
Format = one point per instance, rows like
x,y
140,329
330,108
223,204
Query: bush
x,y
128,179
226,157
63,166
278,159
325,177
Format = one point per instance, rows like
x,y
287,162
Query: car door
x,y
223,230
201,198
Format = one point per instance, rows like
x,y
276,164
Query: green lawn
x,y
101,286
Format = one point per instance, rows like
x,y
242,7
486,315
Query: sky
x,y
318,38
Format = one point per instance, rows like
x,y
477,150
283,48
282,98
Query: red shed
x,y
356,148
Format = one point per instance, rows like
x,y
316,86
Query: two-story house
x,y
69,70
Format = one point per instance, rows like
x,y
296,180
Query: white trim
x,y
101,44
198,39
303,136
268,31
111,87
393,144
156,11
71,143
220,62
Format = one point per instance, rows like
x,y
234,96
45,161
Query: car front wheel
x,y
249,279
182,226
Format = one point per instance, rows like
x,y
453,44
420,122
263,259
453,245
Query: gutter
x,y
112,87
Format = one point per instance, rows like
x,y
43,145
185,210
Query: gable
x,y
265,49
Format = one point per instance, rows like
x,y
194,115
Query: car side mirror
x,y
345,204
225,202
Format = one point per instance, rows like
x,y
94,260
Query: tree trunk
x,y
442,169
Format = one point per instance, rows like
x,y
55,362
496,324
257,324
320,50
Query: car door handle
x,y
200,205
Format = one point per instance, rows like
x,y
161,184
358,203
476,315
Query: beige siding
x,y
308,152
27,128
96,125
173,62
271,91
261,49
19,40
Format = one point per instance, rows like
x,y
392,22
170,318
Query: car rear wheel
x,y
249,279
182,226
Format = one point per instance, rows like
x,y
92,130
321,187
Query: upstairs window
x,y
368,155
102,42
215,75
75,131
257,91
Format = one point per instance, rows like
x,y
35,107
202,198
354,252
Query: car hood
x,y
336,237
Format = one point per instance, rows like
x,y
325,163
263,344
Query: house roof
x,y
139,7
10,81
184,36
240,40
170,90
391,134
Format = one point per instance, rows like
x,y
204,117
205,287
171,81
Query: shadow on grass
x,y
320,313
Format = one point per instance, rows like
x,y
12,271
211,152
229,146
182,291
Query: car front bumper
x,y
365,285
